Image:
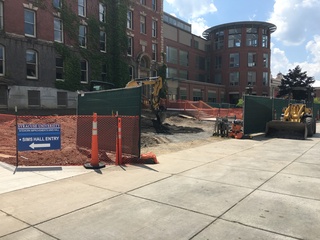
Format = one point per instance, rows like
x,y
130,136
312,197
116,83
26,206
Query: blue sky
x,y
295,42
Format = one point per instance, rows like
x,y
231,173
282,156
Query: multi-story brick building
x,y
216,68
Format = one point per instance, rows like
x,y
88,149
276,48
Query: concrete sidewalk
x,y
234,189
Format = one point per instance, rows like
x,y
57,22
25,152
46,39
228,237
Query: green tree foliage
x,y
293,80
317,100
240,102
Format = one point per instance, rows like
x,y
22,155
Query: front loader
x,y
297,122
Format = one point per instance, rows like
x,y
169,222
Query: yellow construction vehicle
x,y
154,100
297,122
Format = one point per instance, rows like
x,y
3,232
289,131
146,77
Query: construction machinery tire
x,y
310,126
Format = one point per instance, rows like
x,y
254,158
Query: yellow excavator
x,y
154,100
297,121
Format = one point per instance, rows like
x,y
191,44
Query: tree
x,y
293,80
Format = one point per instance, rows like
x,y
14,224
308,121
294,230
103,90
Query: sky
x,y
295,42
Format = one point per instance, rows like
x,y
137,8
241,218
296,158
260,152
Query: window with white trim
x,y
2,60
154,5
154,28
102,12
154,51
57,3
58,31
143,25
130,39
83,36
143,2
103,40
82,8
129,20
84,71
32,64
29,23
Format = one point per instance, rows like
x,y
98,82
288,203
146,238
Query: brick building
x,y
216,68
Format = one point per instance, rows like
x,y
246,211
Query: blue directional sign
x,y
34,137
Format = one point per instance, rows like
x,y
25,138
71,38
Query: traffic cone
x,y
94,163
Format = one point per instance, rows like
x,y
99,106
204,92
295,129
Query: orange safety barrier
x,y
94,163
119,144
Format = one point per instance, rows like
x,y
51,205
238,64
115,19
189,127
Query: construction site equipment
x,y
297,121
221,127
236,130
154,100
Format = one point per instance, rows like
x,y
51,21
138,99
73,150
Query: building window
x,y
265,60
84,71
32,64
183,58
102,12
234,60
172,55
103,39
2,61
82,36
1,15
62,99
58,31
143,2
129,20
33,98
143,24
104,72
200,63
252,60
29,23
154,28
218,62
219,40
212,96
265,79
264,41
197,94
57,3
154,51
183,74
154,5
196,44
59,68
82,8
252,78
183,93
234,38
234,79
252,37
217,79
130,46
172,72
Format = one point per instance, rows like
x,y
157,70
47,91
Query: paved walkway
x,y
234,189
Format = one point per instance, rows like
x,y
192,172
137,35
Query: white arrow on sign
x,y
40,145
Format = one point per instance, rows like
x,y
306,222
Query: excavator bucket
x,y
286,129
161,116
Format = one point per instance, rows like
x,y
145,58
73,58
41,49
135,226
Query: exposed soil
x,y
176,133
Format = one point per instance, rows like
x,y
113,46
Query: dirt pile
x,y
176,133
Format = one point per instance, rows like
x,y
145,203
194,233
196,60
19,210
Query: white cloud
x,y
192,9
193,12
295,20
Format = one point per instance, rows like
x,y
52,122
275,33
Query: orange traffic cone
x,y
94,163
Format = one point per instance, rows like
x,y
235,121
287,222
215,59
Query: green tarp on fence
x,y
260,110
125,101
